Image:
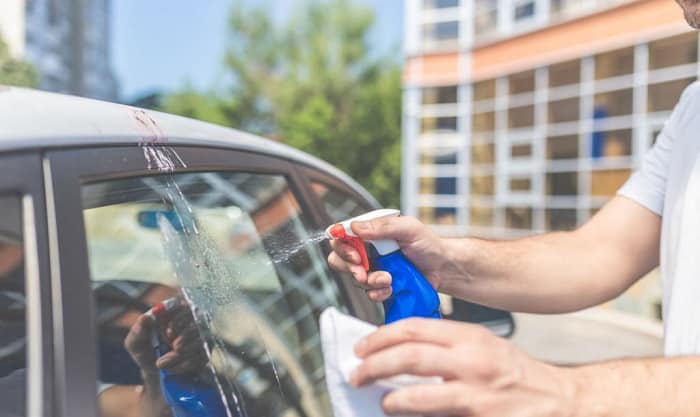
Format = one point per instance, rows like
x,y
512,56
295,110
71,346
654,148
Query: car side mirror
x,y
500,322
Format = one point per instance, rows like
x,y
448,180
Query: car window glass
x,y
13,342
233,255
339,205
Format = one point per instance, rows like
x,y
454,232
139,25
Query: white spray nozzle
x,y
343,230
334,231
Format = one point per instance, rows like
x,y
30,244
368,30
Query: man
x,y
655,219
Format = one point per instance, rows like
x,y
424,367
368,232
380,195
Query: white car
x,y
108,210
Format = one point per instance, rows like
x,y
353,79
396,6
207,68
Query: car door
x,y
228,236
26,354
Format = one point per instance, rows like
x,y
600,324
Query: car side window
x,y
339,205
13,341
233,281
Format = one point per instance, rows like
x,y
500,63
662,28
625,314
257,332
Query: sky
x,y
165,44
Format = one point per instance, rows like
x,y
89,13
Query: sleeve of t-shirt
x,y
647,186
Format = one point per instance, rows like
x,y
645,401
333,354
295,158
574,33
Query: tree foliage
x,y
14,71
312,82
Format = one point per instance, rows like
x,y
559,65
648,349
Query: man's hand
x,y
187,354
483,374
422,247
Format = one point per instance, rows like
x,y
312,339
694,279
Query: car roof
x,y
31,120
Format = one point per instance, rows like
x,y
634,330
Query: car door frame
x,y
67,171
21,174
363,307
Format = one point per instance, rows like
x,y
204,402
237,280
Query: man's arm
x,y
552,273
486,376
656,387
559,272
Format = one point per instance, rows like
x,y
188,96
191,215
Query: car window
x,y
13,342
339,205
245,281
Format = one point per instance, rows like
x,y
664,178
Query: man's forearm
x,y
556,272
638,388
551,273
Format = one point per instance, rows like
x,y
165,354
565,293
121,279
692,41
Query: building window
x,y
440,95
438,186
521,83
664,96
521,117
438,156
614,63
439,124
562,111
484,122
524,9
611,144
520,184
481,216
521,151
560,219
562,184
483,153
440,4
434,33
484,90
519,218
612,104
485,17
605,183
567,73
438,215
562,147
482,185
679,50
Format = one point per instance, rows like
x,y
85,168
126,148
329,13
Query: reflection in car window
x,y
339,205
13,372
229,250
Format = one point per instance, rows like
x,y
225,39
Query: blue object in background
x,y
598,137
412,294
149,219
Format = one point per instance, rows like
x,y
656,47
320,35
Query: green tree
x,y
13,71
190,103
313,83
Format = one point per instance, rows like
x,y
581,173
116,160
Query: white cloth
x,y
668,183
339,333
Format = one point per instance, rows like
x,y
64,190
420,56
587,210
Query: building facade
x,y
525,116
67,41
12,26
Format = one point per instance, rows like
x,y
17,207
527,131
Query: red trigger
x,y
359,246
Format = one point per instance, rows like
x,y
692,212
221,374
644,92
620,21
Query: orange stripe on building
x,y
616,28
433,69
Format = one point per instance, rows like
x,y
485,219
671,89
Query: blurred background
x,y
494,118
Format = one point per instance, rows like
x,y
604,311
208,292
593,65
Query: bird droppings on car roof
x,y
148,126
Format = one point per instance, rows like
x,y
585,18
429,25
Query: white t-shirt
x,y
668,183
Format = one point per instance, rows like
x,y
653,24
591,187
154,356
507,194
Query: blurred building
x,y
524,116
12,25
68,41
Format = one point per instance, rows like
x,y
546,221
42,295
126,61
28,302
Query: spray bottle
x,y
412,295
191,395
